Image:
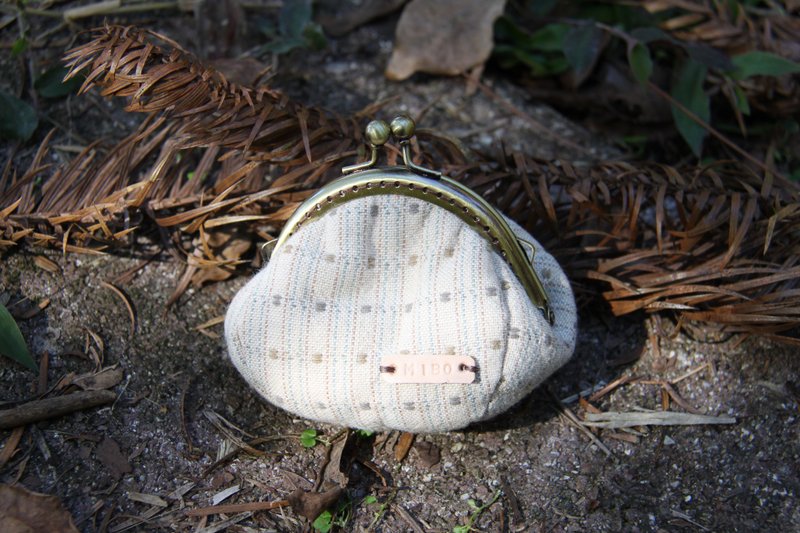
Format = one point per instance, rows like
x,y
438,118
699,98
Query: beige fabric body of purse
x,y
385,310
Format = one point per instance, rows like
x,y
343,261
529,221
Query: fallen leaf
x,y
423,43
403,446
211,274
312,504
12,344
105,379
113,459
23,511
340,18
428,453
337,471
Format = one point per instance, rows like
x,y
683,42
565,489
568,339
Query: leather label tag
x,y
428,369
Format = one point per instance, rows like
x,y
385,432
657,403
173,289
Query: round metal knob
x,y
377,132
403,127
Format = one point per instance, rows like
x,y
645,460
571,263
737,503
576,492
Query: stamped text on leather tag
x,y
428,369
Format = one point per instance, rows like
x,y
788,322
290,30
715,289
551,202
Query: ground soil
x,y
159,438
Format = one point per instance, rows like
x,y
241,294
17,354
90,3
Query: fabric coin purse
x,y
396,298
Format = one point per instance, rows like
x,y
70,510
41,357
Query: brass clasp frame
x,y
365,179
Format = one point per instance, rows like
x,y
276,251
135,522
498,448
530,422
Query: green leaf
x,y
758,63
364,433
19,46
509,56
640,62
369,500
51,83
742,103
308,438
283,45
295,15
324,522
550,38
581,46
18,120
687,88
471,503
461,529
12,344
314,37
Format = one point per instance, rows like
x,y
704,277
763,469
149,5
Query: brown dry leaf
x,y
423,43
337,471
229,245
23,511
311,504
212,274
111,456
428,453
10,446
403,446
105,379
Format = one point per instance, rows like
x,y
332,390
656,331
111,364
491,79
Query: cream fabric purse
x,y
396,298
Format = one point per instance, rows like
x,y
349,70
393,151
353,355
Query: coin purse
x,y
397,298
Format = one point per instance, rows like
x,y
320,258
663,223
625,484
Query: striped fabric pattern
x,y
393,275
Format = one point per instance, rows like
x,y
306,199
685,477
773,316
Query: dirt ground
x,y
163,437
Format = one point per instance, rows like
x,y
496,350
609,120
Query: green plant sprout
x,y
296,29
12,344
477,511
326,521
308,438
381,511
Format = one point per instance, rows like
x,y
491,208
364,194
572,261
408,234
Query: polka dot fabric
x,y
388,275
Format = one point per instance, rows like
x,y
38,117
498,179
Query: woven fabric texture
x,y
387,275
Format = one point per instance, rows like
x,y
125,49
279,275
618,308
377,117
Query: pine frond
x,y
717,244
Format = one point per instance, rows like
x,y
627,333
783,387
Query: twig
x,y
517,517
38,410
584,393
565,412
237,508
723,139
689,374
185,429
225,524
611,386
114,7
246,447
684,516
409,519
678,399
612,419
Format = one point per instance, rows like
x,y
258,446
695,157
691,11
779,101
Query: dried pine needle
x,y
122,296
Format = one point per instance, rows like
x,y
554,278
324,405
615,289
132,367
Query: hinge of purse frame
x,y
378,132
